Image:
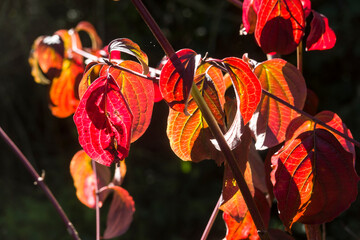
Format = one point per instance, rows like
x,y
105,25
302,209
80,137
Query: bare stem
x,y
39,181
299,56
97,208
313,231
212,219
317,121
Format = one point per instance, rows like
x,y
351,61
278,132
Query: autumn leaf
x,y
85,180
321,36
250,9
189,134
272,118
176,79
280,25
120,214
103,120
96,42
311,173
246,85
63,97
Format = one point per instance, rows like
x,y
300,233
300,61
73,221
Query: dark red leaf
x,y
246,84
307,7
312,171
176,79
280,25
321,36
103,120
120,214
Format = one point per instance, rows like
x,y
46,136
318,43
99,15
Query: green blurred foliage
x,y
173,199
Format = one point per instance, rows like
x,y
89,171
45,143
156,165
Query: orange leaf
x,y
189,134
272,118
84,178
87,27
62,92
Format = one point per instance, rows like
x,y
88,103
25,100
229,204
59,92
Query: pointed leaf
x,y
249,16
189,134
87,27
247,86
84,178
103,120
176,79
312,171
280,25
138,92
321,36
127,46
120,214
245,228
63,97
271,119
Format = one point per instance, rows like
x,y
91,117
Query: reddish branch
x,y
39,181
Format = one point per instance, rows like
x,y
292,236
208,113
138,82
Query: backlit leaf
x,y
103,120
246,84
321,36
138,92
36,71
87,27
312,172
127,46
249,16
176,79
63,98
272,118
245,227
84,178
120,214
280,25
307,7
189,134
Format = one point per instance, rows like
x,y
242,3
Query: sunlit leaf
x,y
176,79
249,16
71,40
127,46
63,98
233,201
36,72
280,25
245,227
189,134
103,120
311,173
246,84
120,214
84,178
272,118
87,27
321,36
138,92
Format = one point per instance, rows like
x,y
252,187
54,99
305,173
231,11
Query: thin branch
x,y
97,208
212,219
39,181
299,57
317,121
236,3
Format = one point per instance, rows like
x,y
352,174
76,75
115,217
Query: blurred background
x,y
173,199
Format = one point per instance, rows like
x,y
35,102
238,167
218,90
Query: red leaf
x,y
176,79
84,178
249,16
120,214
87,27
321,36
272,118
103,120
246,84
280,25
312,171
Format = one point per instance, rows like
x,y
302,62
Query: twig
x,y
39,181
212,219
299,57
97,208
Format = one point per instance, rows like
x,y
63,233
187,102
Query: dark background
x,y
174,199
